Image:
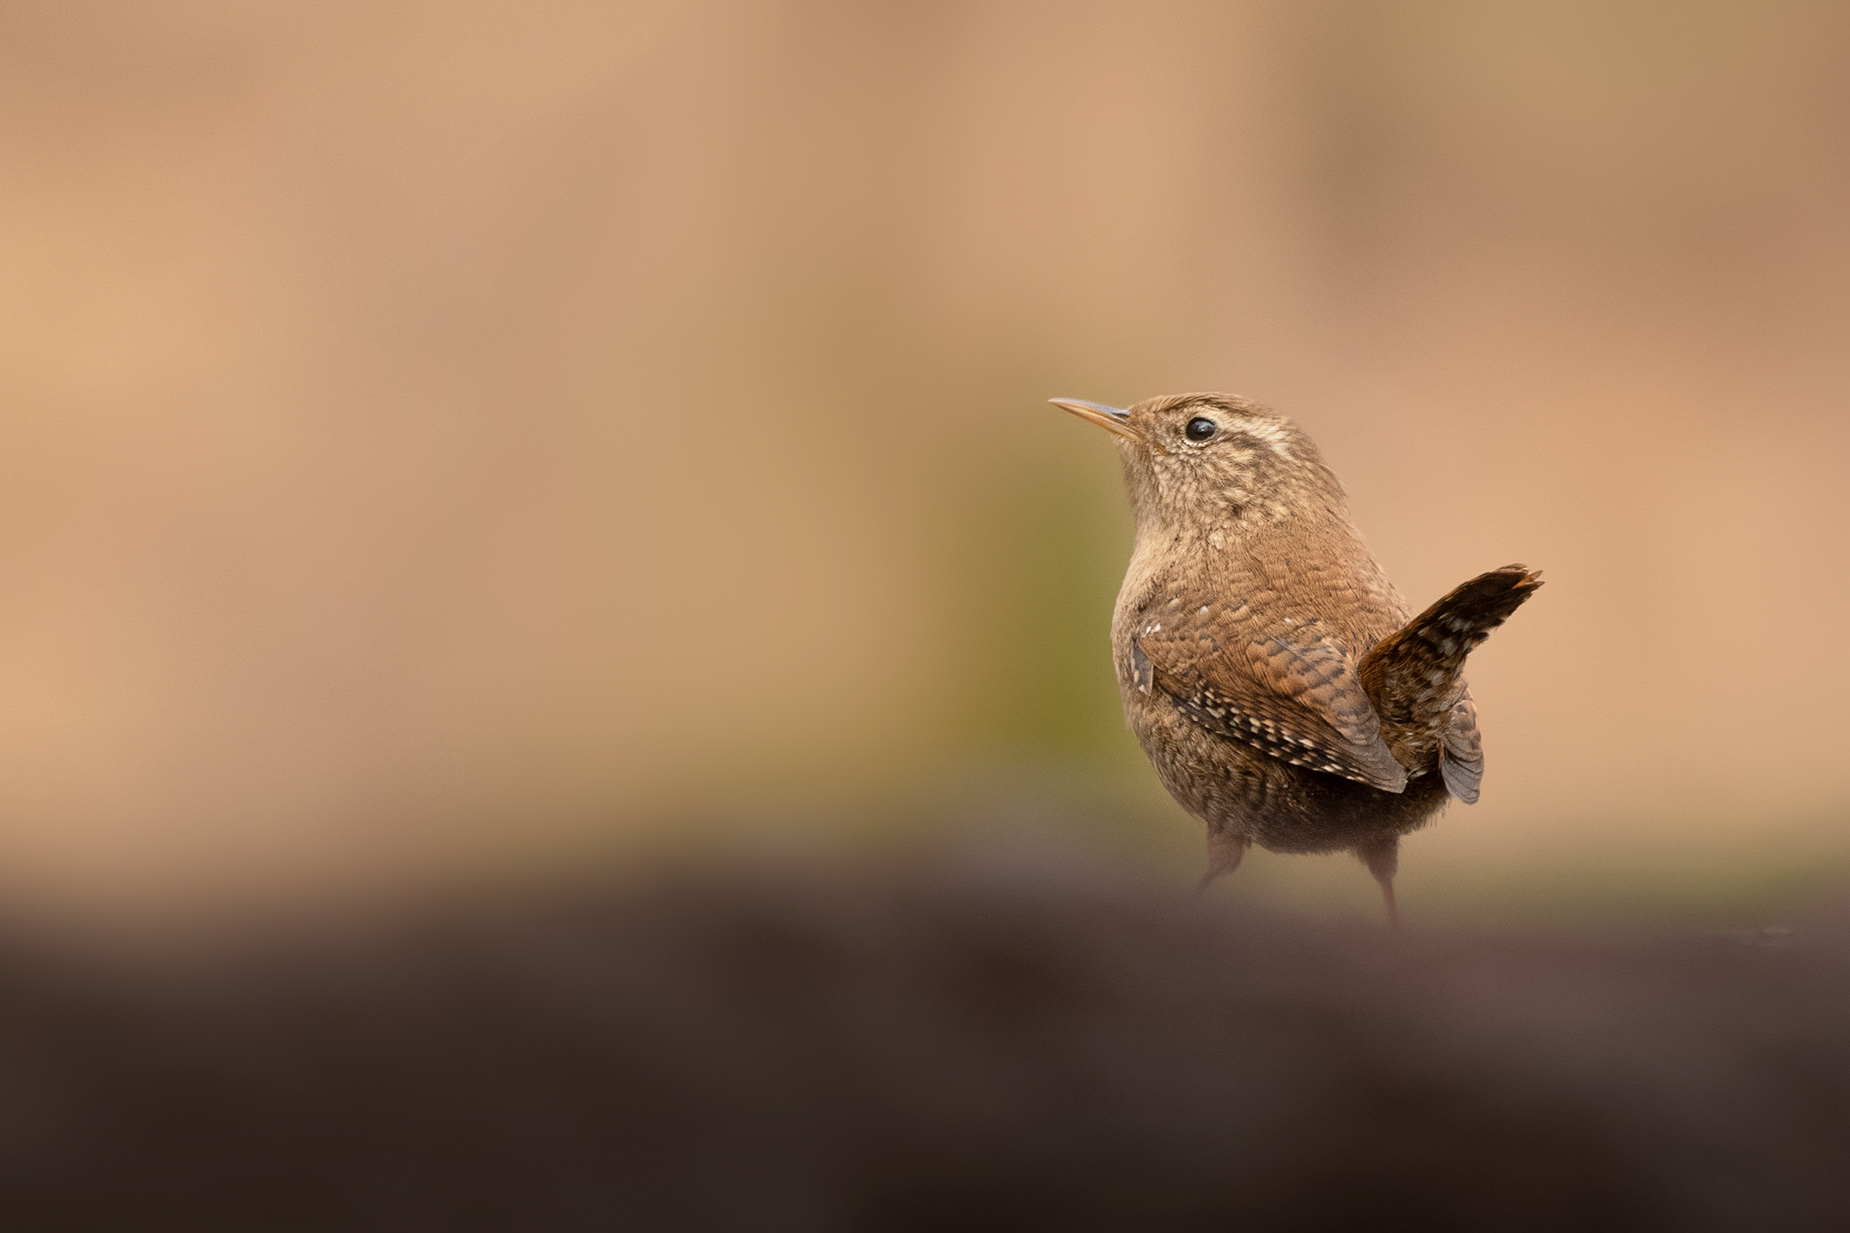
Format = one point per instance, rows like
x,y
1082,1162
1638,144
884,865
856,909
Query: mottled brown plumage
x,y
1280,685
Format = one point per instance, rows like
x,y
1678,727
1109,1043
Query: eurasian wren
x,y
1281,686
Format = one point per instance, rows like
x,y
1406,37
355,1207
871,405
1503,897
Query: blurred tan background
x,y
465,436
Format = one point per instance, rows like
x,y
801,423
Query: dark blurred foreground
x,y
963,1043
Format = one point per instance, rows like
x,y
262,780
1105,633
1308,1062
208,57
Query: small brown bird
x,y
1270,670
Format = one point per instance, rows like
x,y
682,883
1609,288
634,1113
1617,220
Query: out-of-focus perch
x,y
964,1043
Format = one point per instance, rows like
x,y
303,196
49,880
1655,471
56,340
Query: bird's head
x,y
1213,459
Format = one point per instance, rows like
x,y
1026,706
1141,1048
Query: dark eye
x,y
1201,428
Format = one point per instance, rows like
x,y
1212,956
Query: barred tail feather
x,y
1412,676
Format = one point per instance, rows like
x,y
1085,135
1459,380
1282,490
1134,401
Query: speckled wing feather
x,y
1283,686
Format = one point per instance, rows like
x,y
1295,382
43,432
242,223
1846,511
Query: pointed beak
x,y
1111,419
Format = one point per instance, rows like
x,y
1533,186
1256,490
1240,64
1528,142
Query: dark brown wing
x,y
1283,686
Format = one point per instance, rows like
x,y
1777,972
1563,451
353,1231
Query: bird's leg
x,y
1225,852
1382,856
